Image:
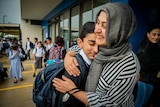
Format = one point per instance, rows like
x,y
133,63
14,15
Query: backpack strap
x,y
35,50
41,51
11,51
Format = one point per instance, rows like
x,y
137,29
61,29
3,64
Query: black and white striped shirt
x,y
116,83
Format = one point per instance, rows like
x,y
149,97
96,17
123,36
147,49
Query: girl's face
x,y
39,45
100,29
48,41
154,35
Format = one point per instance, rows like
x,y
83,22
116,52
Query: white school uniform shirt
x,y
84,56
49,46
28,45
38,52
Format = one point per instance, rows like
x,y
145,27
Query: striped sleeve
x,y
115,84
74,48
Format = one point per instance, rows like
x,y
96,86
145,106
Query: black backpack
x,y
6,45
25,55
43,90
31,45
45,95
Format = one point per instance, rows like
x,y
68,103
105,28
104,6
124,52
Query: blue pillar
x,y
44,24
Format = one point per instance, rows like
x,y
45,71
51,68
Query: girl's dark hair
x,y
39,42
49,38
59,41
88,27
14,46
36,39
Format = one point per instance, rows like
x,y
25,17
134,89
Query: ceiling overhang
x,y
37,9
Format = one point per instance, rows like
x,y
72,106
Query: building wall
x,y
30,31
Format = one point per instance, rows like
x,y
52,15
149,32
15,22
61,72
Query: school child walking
x,y
15,60
38,54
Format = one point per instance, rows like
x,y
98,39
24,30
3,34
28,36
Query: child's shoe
x,y
15,80
21,79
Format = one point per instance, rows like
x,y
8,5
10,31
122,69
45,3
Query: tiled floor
x,y
19,94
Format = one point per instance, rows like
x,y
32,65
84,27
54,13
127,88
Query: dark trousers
x,y
28,54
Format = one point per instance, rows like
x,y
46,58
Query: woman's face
x,y
100,29
154,35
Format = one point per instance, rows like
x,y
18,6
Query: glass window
x,y
75,22
87,11
54,28
64,28
57,29
97,5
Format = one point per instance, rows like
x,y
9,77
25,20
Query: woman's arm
x,y
66,84
70,63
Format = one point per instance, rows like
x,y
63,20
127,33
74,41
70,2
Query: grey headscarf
x,y
121,24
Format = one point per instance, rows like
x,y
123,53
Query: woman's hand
x,y
70,64
64,84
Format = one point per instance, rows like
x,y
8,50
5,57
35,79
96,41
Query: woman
x,y
149,57
113,72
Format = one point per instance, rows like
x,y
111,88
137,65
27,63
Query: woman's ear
x,y
79,42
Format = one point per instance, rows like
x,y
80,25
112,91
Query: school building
x,y
51,18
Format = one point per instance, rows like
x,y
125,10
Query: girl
x,y
15,67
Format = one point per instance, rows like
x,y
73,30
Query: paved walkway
x,y
19,94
